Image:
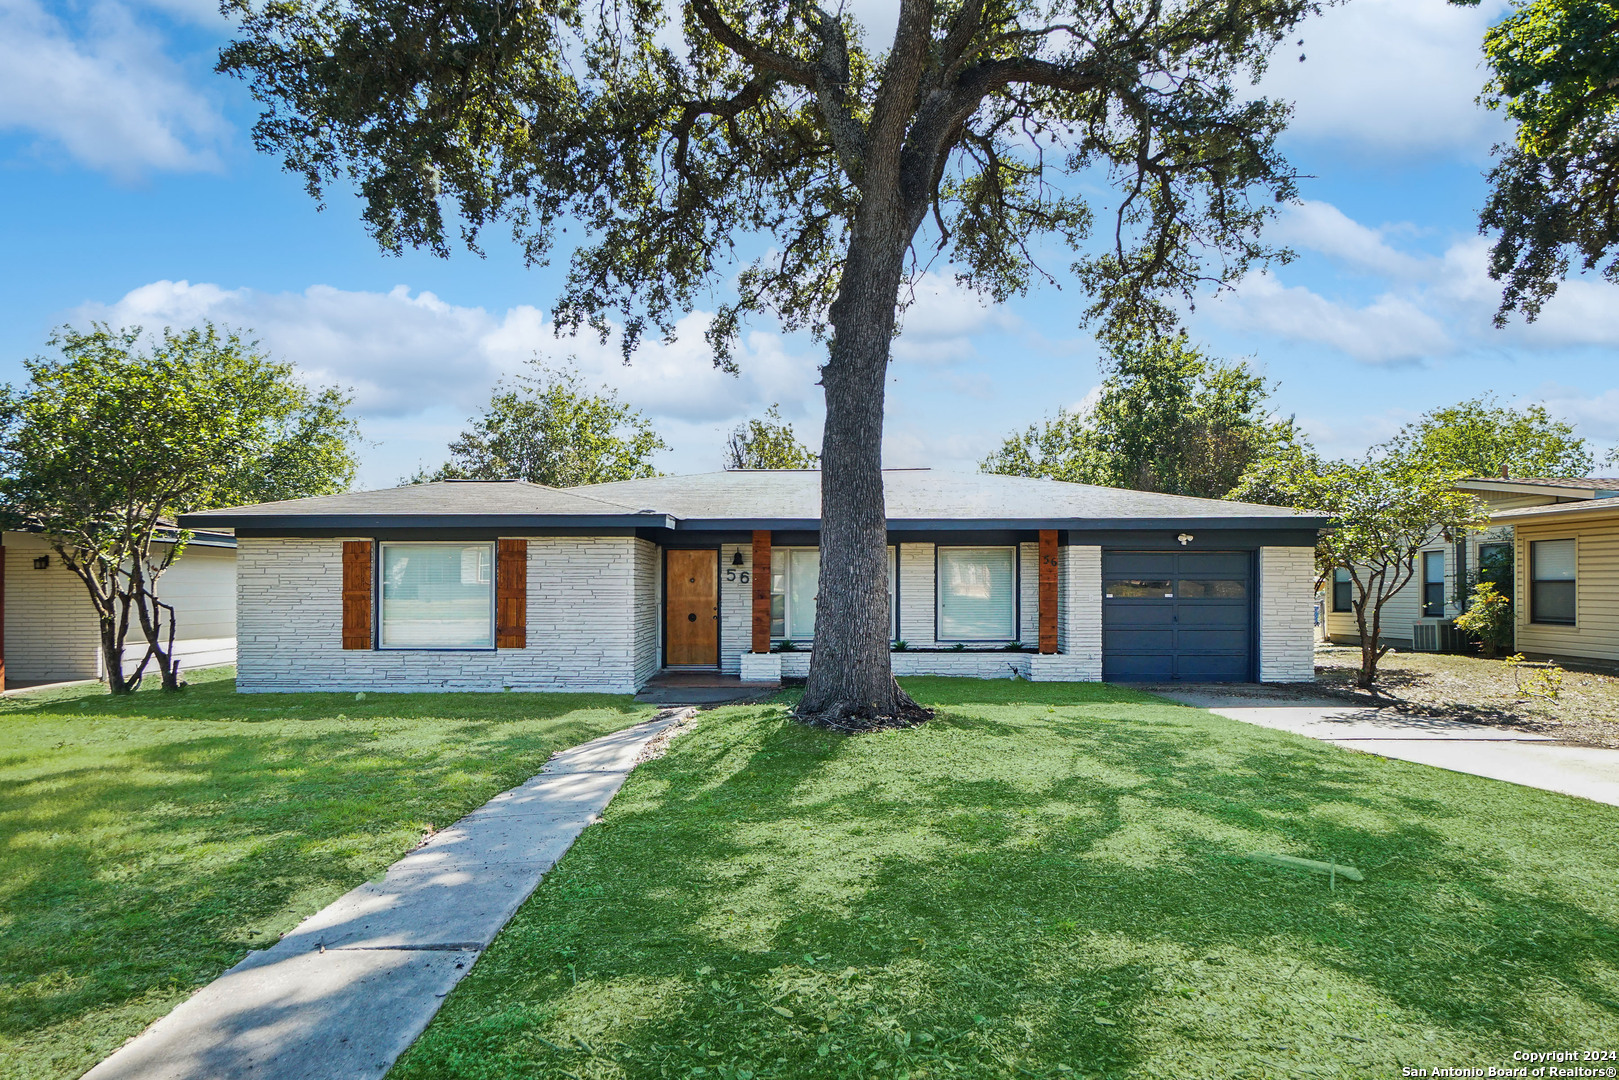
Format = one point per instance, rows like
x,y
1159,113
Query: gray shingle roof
x,y
763,499
916,495
451,500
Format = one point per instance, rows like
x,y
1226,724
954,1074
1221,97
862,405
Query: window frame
x,y
1348,584
1573,621
1430,608
786,594
378,591
1017,594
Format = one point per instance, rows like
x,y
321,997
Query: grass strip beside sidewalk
x,y
146,843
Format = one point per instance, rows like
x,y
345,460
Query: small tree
x,y
110,440
1169,419
1385,510
1482,437
767,444
547,428
1489,619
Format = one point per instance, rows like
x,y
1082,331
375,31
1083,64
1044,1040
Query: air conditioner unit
x,y
1435,636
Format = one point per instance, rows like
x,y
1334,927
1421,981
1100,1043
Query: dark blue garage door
x,y
1176,616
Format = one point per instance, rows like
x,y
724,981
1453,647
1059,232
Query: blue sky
x,y
137,197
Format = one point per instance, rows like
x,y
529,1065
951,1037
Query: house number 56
x,y
737,575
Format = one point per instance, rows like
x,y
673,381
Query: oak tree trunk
x,y
851,679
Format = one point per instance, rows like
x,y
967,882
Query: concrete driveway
x,y
1500,754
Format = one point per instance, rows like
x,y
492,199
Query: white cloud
x,y
1595,414
1390,330
942,314
419,366
1323,228
103,89
1392,76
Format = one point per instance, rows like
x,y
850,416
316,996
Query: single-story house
x,y
49,633
1566,558
468,585
1447,569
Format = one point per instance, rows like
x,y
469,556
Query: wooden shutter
x,y
357,594
1048,590
761,592
511,594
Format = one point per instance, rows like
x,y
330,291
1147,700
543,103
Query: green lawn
x,y
1045,881
147,843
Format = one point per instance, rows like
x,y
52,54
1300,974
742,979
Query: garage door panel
x,y
1139,667
1205,668
1138,640
1138,563
1214,641
1142,615
1213,618
1212,564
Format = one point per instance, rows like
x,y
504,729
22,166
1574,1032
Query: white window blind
x,y
794,584
1554,560
438,596
977,594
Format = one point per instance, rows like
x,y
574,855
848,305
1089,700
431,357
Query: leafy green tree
x,y
767,444
1385,510
1168,419
769,124
112,438
1481,437
1554,190
547,428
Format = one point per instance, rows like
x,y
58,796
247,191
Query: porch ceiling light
x,y
1185,538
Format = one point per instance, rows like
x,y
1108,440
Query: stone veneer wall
x,y
1286,614
583,631
648,592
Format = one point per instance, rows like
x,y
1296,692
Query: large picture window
x,y
1433,584
977,594
1552,580
437,596
795,575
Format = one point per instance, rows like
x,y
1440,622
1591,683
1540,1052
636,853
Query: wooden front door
x,y
691,608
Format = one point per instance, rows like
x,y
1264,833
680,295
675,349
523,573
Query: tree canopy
x,y
1169,418
682,143
767,443
1481,437
118,433
1554,190
548,428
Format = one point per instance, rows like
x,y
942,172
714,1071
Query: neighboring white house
x,y
469,585
50,631
1446,570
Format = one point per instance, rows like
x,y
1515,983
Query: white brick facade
x,y
1286,614
648,594
586,624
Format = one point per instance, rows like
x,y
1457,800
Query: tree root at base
x,y
860,719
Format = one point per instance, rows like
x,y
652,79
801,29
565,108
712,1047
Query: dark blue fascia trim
x,y
955,525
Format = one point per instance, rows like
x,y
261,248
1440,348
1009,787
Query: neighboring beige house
x,y
1567,596
1418,615
49,625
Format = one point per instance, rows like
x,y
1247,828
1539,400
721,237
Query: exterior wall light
x,y
43,562
736,559
1185,538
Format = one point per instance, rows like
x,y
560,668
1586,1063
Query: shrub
x,y
1489,619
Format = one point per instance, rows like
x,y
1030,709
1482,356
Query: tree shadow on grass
x,y
1023,889
147,842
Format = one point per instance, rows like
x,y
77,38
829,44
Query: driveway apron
x,y
1517,757
347,991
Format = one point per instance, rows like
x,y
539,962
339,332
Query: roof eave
x,y
365,523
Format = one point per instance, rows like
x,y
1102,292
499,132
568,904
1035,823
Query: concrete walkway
x,y
347,991
1500,754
